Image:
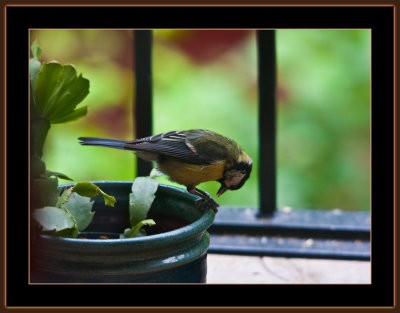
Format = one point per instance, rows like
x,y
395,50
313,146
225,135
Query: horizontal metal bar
x,y
290,247
334,224
330,234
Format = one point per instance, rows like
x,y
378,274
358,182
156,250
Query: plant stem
x,y
39,129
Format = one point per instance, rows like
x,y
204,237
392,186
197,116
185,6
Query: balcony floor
x,y
236,269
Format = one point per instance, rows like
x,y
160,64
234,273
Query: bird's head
x,y
235,176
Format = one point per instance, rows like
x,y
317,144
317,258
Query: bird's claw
x,y
202,204
205,196
214,205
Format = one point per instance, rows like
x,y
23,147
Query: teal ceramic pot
x,y
176,255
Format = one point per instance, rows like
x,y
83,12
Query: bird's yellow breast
x,y
192,174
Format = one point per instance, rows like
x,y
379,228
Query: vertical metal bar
x,y
143,94
267,120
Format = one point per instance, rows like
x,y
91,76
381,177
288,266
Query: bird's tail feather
x,y
102,142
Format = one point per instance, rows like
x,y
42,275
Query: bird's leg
x,y
205,195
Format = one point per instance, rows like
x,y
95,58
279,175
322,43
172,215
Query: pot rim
x,y
195,228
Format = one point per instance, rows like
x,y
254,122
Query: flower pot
x,y
177,255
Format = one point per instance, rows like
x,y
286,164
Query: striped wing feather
x,y
193,147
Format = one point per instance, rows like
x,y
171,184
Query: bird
x,y
189,158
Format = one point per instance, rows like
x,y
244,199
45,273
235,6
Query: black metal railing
x,y
266,121
143,112
263,231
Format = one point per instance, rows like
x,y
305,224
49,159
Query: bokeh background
x,y
208,79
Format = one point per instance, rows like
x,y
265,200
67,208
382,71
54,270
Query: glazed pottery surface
x,y
99,256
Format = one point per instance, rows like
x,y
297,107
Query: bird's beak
x,y
222,190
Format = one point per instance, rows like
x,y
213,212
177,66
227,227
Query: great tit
x,y
190,157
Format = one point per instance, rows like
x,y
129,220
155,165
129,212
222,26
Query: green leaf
x,y
108,200
64,197
66,233
36,50
57,174
58,91
47,86
53,219
86,189
90,190
77,90
80,208
136,230
141,198
74,115
127,233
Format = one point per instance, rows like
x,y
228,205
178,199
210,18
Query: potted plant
x,y
140,232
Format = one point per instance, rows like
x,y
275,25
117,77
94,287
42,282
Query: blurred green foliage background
x,y
208,79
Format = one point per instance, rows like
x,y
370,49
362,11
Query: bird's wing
x,y
194,147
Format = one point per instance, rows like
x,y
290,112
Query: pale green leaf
x,y
53,219
141,198
136,230
80,208
64,197
36,50
155,172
